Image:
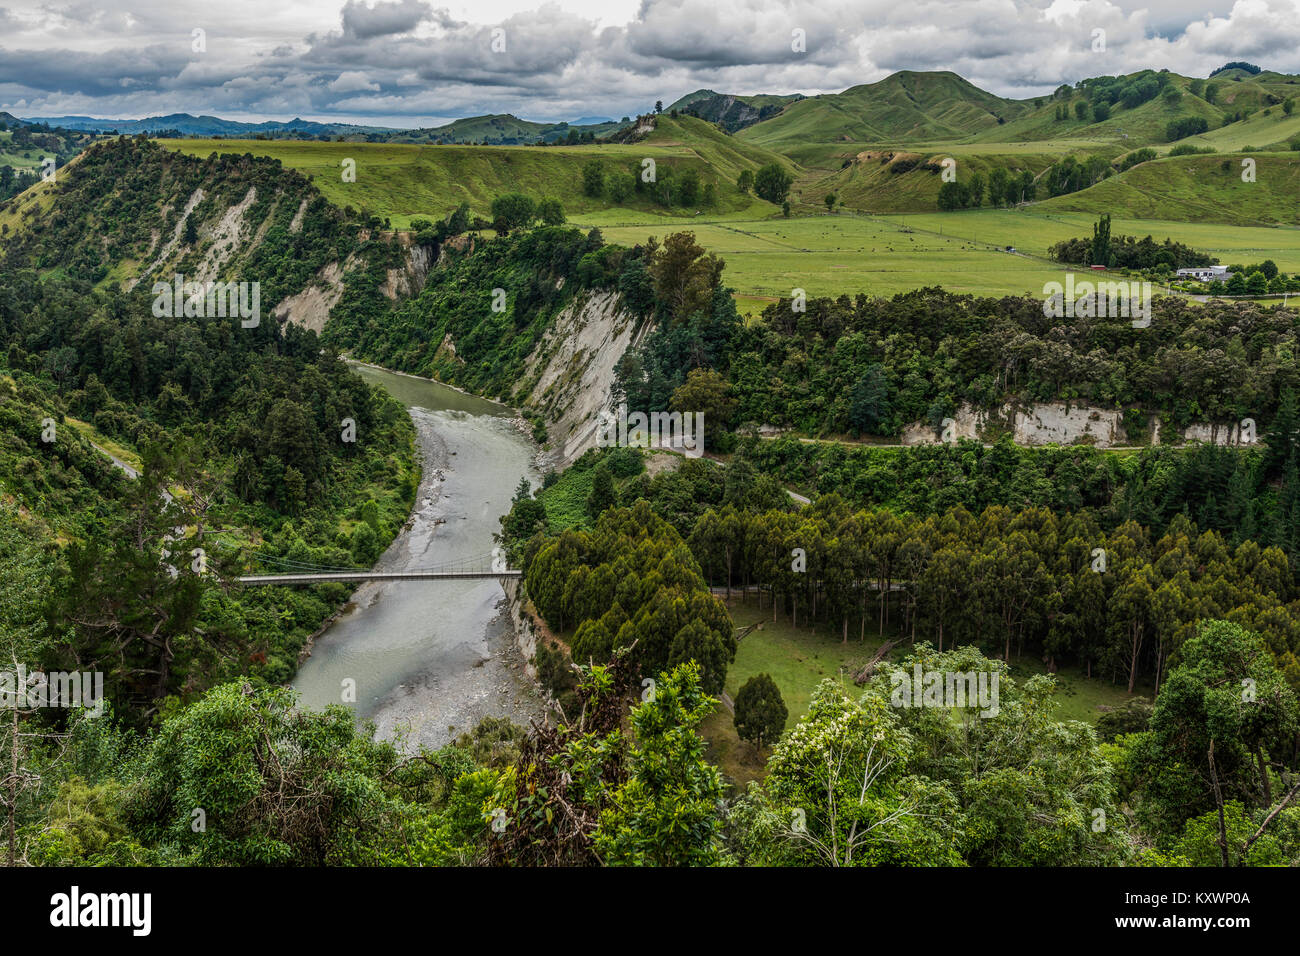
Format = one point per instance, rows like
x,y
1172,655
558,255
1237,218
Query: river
x,y
431,658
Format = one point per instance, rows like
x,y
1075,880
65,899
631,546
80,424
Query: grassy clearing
x,y
1035,228
798,659
115,448
845,255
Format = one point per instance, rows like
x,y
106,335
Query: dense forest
x,y
872,366
236,447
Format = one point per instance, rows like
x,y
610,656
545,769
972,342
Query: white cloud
x,y
353,81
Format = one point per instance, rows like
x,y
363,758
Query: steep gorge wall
x,y
573,367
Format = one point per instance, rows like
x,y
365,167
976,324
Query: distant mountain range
x,y
190,125
502,128
907,107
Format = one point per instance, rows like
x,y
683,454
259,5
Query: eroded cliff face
x,y
1057,423
572,369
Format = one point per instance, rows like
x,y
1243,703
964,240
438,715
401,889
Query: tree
x,y
26,573
550,212
365,545
684,275
705,391
830,201
953,195
869,406
1223,717
1027,187
744,182
659,106
772,183
1100,252
999,181
688,188
593,179
1288,105
975,190
271,784
602,494
619,185
512,211
1283,434
667,813
527,515
760,711
838,793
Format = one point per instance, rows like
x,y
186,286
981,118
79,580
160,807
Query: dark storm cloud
x,y
394,59
383,19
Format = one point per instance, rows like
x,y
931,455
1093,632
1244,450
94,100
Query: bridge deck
x,y
373,576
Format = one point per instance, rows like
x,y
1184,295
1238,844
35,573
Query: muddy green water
x,y
428,659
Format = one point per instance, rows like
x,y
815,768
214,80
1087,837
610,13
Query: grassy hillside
x,y
846,254
881,180
925,107
733,113
1270,128
1196,189
402,182
1142,125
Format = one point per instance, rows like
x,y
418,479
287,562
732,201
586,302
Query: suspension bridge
x,y
289,571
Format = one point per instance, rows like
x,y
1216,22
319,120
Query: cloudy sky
x,y
425,62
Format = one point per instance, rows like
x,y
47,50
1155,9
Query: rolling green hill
x,y
920,107
927,109
900,180
1196,189
1270,128
402,182
733,113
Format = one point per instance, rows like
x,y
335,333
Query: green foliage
x,y
1224,706
772,182
513,211
1187,126
602,491
760,712
667,812
244,778
636,577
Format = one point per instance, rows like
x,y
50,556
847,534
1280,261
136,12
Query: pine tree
x,y
1280,438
